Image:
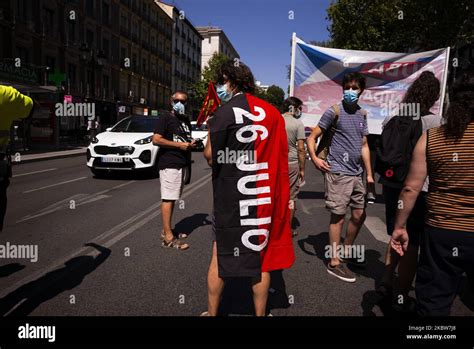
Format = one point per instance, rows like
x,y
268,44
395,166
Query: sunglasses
x,y
179,100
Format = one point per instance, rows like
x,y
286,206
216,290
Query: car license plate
x,y
111,159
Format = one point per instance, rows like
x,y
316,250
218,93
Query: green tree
x,y
400,25
275,95
209,74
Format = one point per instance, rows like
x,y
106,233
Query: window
x,y
71,74
105,47
105,85
48,20
135,28
135,61
71,26
90,38
22,13
105,13
90,7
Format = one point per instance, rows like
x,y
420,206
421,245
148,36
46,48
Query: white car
x,y
127,146
199,133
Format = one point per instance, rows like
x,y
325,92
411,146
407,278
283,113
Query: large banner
x,y
317,72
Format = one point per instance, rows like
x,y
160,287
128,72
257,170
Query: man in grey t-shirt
x,y
349,155
296,153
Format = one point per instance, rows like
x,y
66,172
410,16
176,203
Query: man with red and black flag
x,y
248,152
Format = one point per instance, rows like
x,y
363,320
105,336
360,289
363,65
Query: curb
x,y
44,157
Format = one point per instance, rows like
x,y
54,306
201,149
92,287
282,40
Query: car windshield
x,y
203,127
136,124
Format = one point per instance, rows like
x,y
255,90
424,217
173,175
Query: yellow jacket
x,y
13,105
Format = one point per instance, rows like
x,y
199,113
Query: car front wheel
x,y
98,173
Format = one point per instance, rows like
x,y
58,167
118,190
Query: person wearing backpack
x,y
394,151
446,155
342,155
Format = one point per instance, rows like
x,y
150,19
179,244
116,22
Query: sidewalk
x,y
49,154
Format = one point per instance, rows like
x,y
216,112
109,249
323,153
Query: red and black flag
x,y
251,188
211,103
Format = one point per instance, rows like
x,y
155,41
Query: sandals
x,y
179,235
175,243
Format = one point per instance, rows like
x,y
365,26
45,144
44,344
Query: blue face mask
x,y
178,108
222,93
351,96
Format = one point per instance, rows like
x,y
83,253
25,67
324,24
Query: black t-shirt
x,y
174,128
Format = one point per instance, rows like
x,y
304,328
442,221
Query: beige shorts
x,y
342,191
294,174
171,180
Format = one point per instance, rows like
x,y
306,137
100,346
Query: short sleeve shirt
x,y
176,129
295,132
346,146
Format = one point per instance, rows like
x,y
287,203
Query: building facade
x,y
215,41
113,53
186,47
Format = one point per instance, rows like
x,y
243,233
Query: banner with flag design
x,y
317,73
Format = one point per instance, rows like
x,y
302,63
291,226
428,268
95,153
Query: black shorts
x,y
416,220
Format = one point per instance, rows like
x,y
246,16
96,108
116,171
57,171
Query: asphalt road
x,y
60,207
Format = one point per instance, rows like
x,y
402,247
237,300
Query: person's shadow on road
x,y
36,292
189,224
8,269
315,245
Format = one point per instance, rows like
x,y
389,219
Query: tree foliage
x,y
209,73
400,25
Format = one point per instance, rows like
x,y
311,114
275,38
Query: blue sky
x,y
260,30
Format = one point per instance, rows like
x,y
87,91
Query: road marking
x,y
80,199
55,185
377,228
139,220
34,172
304,208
